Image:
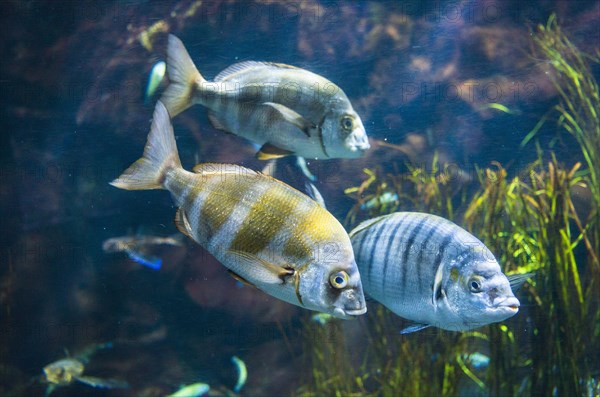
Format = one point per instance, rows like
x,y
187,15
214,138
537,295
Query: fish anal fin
x,y
240,278
182,223
414,328
269,151
102,383
212,117
292,117
262,270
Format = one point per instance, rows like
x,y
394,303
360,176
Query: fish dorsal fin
x,y
414,328
182,223
266,272
222,169
366,224
269,151
230,72
517,280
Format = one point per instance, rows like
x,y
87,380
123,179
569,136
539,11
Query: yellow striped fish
x,y
265,232
287,110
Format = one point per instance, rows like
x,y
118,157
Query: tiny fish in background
x,y
136,247
154,79
266,233
193,390
429,270
285,109
69,370
379,201
321,318
242,372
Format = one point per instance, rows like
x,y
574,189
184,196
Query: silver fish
x,y
431,271
285,109
266,233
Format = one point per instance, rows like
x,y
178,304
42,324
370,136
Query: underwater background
x,y
483,112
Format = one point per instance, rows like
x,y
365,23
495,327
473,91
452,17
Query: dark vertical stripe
x,y
371,262
419,262
388,254
409,243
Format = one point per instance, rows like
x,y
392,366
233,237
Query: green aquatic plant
x,y
433,188
532,224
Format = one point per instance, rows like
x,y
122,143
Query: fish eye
x,y
339,280
347,123
475,285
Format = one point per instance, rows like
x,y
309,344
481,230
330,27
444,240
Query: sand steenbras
x,y
267,233
431,271
285,109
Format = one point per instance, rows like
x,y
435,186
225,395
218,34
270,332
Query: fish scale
x,y
423,267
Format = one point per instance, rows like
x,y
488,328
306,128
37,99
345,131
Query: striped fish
x,y
285,109
431,271
265,232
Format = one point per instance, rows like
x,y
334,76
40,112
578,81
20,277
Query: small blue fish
x,y
242,373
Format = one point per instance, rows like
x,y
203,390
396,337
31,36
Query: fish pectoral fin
x,y
268,152
517,280
102,383
261,269
240,278
292,117
182,223
414,328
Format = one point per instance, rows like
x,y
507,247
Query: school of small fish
x,y
267,234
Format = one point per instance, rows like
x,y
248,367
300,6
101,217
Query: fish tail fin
x,y
160,156
183,78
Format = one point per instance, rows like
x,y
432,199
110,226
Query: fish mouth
x,y
349,313
511,304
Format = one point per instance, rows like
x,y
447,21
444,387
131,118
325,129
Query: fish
x,y
285,109
294,171
156,76
69,370
266,233
193,390
379,201
242,371
136,247
321,318
431,271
